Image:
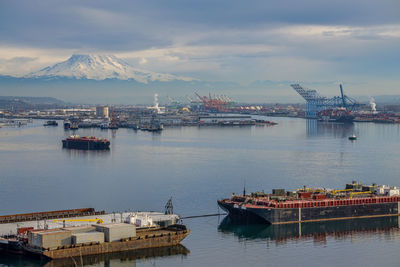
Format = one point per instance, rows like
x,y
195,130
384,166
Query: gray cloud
x,y
212,40
127,25
15,65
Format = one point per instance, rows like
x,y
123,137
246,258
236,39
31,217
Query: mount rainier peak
x,y
101,67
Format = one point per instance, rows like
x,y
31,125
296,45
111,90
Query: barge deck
x,y
314,205
145,238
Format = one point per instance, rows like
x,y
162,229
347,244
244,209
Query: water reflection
x,y
127,258
77,153
317,231
337,130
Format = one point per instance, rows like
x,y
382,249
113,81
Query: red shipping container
x,y
304,194
24,230
319,196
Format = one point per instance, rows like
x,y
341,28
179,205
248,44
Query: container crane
x,y
213,104
317,103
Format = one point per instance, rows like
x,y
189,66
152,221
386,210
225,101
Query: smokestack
x,y
372,104
156,103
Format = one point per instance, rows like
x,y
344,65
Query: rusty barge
x,y
80,232
47,215
143,239
314,205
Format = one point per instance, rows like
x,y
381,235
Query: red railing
x,y
293,204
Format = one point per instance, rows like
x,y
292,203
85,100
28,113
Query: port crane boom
x,y
317,103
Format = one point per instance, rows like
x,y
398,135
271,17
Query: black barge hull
x,y
86,145
315,214
240,215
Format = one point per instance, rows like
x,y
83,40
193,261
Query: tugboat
x,y
104,125
153,126
114,121
113,126
67,124
74,126
353,137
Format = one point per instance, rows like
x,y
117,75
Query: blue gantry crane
x,y
317,103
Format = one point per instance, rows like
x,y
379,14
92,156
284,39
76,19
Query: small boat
x,y
51,123
153,126
353,137
104,125
67,124
74,126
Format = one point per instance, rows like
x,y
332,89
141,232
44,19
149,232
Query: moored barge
x,y
51,123
133,240
86,143
48,215
314,205
90,233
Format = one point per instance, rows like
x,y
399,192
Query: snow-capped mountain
x,y
101,67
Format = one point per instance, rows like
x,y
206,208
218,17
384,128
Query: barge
x,y
126,240
314,205
95,233
48,215
51,123
86,143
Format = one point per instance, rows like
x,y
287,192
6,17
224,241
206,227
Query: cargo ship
x,y
89,233
86,143
313,204
340,115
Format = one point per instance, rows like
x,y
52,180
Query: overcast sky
x,y
351,41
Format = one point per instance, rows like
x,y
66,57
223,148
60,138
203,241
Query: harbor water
x,y
198,165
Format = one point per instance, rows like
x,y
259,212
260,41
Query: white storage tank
x,y
393,191
141,220
151,219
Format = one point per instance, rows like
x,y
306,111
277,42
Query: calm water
x,y
197,166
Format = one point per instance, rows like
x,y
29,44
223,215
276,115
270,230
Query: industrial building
x,y
102,112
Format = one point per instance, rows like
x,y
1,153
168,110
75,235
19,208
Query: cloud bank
x,y
309,40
